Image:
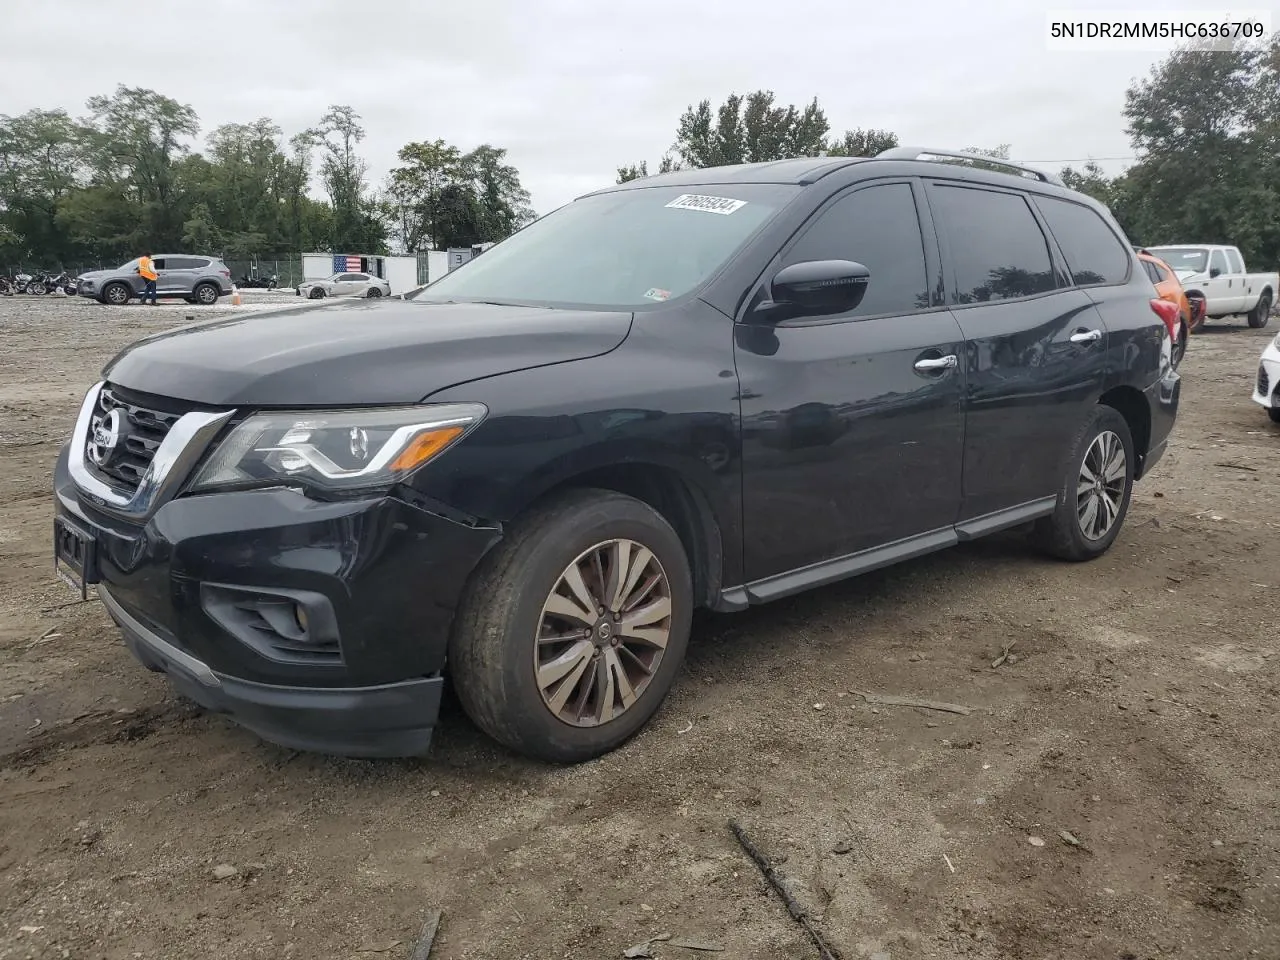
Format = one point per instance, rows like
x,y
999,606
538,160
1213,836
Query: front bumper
x,y
390,720
1266,385
379,580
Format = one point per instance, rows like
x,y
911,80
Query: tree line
x,y
127,176
1204,126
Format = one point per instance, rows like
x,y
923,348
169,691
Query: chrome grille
x,y
148,420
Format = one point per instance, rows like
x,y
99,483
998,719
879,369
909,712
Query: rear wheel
x,y
374,293
1261,311
573,630
1097,484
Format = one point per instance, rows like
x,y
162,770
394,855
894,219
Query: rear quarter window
x,y
1094,253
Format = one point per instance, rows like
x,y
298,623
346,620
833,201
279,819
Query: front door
x,y
1035,344
852,427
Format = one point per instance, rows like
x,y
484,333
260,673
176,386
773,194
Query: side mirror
x,y
816,288
1215,272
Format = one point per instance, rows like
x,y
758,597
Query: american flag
x,y
346,264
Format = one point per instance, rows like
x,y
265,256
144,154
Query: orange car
x,y
1169,287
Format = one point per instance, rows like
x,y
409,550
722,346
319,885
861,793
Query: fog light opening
x,y
300,617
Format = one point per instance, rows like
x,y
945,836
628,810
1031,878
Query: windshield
x,y
625,249
1184,258
131,264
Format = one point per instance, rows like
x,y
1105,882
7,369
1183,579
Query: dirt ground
x,y
1137,713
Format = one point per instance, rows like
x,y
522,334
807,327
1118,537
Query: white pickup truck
x,y
1217,276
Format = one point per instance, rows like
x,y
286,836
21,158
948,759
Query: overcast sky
x,y
574,88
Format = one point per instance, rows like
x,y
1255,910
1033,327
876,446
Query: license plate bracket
x,y
75,556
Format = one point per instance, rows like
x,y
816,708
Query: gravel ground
x,y
1138,713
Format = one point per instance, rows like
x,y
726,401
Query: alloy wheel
x,y
1101,486
602,633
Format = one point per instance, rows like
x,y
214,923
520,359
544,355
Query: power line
x,y
1077,160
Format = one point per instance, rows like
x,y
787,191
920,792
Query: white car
x,y
345,285
1266,389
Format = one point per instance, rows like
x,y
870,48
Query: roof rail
x,y
920,153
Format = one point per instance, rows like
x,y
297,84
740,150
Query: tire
x,y
117,294
1180,345
35,289
493,654
317,293
1274,414
1261,311
374,293
1061,534
206,294
1197,298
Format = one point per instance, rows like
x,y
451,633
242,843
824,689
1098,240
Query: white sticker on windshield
x,y
720,205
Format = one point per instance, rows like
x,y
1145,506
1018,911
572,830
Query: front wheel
x,y
206,294
116,294
1274,414
574,628
1261,312
317,293
1097,485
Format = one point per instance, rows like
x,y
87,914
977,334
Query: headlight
x,y
1275,342
337,450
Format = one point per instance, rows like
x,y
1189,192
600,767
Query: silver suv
x,y
195,279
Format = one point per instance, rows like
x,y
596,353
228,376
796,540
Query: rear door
x,y
851,423
1237,281
180,274
1035,345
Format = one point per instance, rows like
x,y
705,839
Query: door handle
x,y
1086,336
929,365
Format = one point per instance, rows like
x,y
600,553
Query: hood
x,y
358,352
94,274
1185,275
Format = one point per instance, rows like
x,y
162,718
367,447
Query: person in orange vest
x,y
148,272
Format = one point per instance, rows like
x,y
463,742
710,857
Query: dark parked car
x,y
195,279
711,388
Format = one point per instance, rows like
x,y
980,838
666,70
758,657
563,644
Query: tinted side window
x,y
997,250
185,263
350,276
1237,264
1152,271
1094,254
1218,262
159,263
878,228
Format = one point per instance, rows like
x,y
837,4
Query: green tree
x,y
748,130
356,224
415,187
862,143
1205,125
635,171
504,202
137,138
41,164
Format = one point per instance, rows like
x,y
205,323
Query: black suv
x,y
711,388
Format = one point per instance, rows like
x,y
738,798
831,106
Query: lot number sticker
x,y
721,205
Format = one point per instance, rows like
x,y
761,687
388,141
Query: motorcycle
x,y
63,281
258,283
6,286
26,283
